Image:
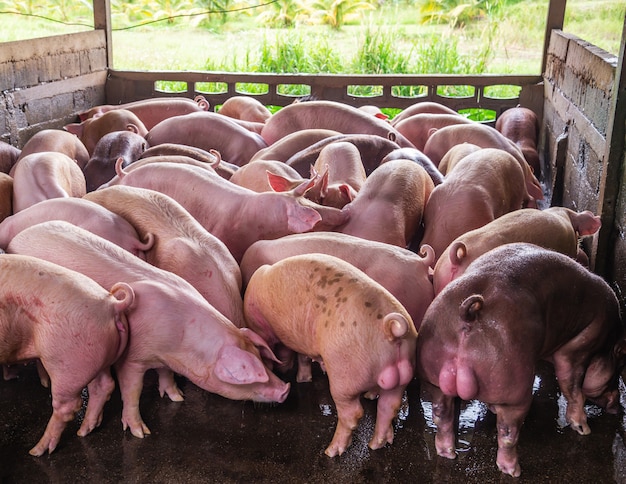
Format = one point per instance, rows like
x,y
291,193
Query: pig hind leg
x,y
509,420
443,417
349,412
100,389
389,402
167,384
130,379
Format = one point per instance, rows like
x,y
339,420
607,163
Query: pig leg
x,y
65,404
305,373
167,384
100,389
570,374
387,409
509,420
349,412
443,418
44,378
130,379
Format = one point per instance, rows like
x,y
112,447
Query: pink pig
x,y
44,175
245,108
322,307
484,186
555,228
80,212
72,325
423,107
57,140
181,246
235,215
417,128
389,206
403,273
260,175
173,328
292,143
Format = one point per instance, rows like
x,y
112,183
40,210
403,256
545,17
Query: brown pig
x,y
44,175
181,244
6,196
91,130
326,309
456,154
57,140
245,108
417,128
173,328
555,228
235,215
403,273
423,107
72,325
484,186
8,156
483,335
521,125
390,205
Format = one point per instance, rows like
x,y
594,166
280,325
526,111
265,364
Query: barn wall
x,y
45,82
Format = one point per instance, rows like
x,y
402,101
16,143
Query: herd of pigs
x,y
230,246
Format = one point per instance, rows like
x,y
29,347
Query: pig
x,y
245,108
266,176
374,111
390,205
418,127
322,307
403,273
173,328
91,130
154,110
328,115
80,212
209,131
486,137
6,196
71,324
100,168
181,246
515,305
44,175
556,228
372,149
454,155
343,174
521,125
57,140
8,156
235,215
418,157
484,186
287,146
423,107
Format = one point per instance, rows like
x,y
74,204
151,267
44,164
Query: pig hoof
x,y
514,470
370,395
582,428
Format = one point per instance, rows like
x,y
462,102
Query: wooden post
x,y
556,14
612,169
102,21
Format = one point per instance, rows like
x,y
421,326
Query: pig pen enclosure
x,y
580,98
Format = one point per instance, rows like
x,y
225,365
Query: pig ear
x,y
132,128
239,367
74,128
347,192
457,252
586,223
469,308
301,189
261,344
280,183
395,326
301,219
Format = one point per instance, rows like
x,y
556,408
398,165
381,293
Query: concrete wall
x,y
45,82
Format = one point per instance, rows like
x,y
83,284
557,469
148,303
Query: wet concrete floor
x,y
208,438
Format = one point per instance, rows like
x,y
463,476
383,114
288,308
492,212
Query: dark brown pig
x,y
555,228
8,156
209,131
119,144
80,212
327,115
44,175
154,110
417,128
173,328
322,307
389,206
484,186
57,140
72,325
483,335
484,136
521,126
235,215
418,157
181,244
402,272
91,130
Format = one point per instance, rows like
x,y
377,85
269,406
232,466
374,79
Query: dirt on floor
x,y
208,438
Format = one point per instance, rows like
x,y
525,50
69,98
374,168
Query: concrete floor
x,y
208,438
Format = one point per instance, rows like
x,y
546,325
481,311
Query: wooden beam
x,y
102,21
556,15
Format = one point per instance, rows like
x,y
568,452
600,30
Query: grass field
x,y
510,42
